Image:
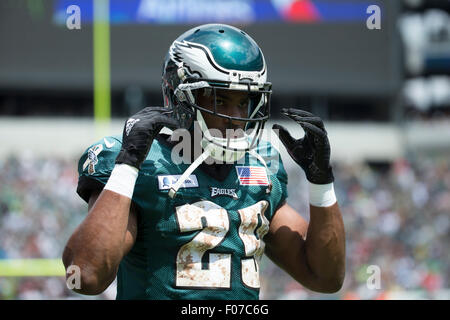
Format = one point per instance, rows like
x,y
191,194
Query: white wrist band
x,y
322,195
122,180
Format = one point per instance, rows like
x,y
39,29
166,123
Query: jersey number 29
x,y
214,223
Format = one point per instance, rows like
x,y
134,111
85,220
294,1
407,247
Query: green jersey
x,y
205,243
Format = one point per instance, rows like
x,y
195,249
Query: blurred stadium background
x,y
384,94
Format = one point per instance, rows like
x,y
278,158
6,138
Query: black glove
x,y
139,132
312,152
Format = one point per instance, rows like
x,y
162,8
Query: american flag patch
x,y
252,176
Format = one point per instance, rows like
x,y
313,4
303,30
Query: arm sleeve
x,y
95,166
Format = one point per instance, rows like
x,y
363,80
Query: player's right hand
x,y
139,132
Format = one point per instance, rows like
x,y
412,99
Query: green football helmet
x,y
212,57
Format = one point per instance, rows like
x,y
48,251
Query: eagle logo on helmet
x,y
197,59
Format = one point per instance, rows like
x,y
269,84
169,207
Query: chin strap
x,y
190,169
173,190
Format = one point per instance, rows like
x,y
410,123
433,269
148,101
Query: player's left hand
x,y
312,152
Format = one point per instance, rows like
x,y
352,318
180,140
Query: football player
x,y
197,229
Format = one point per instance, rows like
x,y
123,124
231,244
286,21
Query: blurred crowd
x,y
396,218
38,210
397,222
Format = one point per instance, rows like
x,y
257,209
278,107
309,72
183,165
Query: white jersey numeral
x,y
193,270
214,222
251,217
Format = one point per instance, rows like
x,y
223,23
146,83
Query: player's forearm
x,y
325,246
97,245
